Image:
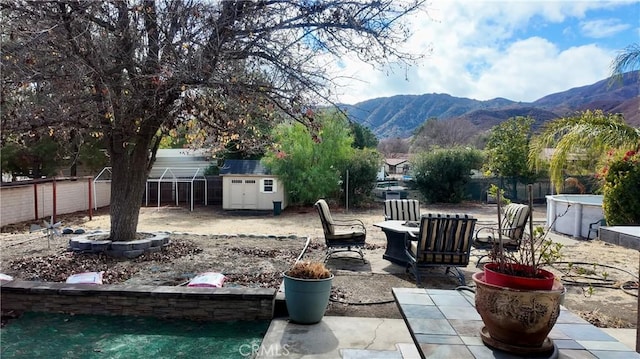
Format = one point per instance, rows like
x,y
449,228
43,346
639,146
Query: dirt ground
x,y
254,248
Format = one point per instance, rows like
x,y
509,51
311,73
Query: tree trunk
x,y
129,177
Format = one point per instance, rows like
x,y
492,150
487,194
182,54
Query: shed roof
x,y
243,167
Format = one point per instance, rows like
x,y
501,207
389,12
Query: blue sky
x,y
520,50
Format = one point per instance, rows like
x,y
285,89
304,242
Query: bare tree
x,y
392,147
447,133
132,70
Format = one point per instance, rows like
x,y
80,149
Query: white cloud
x,y
533,68
598,29
481,50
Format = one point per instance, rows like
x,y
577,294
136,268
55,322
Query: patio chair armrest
x,y
493,230
600,222
348,220
483,230
350,224
408,238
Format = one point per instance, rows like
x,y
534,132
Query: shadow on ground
x,y
364,289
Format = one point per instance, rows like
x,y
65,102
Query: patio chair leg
x,y
329,253
417,274
358,250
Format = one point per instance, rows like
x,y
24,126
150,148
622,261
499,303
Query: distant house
x,y
396,167
547,154
247,184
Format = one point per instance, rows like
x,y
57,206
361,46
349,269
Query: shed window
x,y
268,185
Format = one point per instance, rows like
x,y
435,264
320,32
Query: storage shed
x,y
247,184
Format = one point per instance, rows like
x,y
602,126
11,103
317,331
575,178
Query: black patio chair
x,y
444,240
341,235
513,223
402,209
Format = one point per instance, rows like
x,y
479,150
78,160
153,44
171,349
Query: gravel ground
x,y
254,248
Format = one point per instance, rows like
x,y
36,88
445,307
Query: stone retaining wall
x,y
624,236
207,304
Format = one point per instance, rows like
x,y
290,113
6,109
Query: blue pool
x,y
46,335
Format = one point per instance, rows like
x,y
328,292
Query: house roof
x,y
183,163
181,152
547,154
395,161
243,167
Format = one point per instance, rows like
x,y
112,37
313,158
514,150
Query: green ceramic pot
x,y
306,299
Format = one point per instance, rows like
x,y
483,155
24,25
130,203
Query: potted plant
x,y
519,301
523,269
307,286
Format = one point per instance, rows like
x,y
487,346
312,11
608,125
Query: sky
x,y
519,50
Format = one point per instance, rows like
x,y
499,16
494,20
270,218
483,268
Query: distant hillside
x,y
398,116
631,111
605,90
485,119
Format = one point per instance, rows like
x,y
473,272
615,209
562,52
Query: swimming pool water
x,y
46,335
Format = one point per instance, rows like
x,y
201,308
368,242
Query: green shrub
x,y
493,192
309,164
212,170
621,188
363,167
441,175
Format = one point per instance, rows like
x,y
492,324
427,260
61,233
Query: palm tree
x,y
627,60
588,132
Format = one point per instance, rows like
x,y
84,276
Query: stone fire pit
x,y
98,242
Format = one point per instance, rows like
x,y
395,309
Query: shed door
x,y
250,194
244,194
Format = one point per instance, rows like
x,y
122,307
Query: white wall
x,y
18,203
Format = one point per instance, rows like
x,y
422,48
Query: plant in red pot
x,y
519,301
522,269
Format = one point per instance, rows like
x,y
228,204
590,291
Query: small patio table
x,y
395,232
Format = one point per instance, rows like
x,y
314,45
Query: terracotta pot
x,y
544,281
517,320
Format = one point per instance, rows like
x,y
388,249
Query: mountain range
x,y
399,116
